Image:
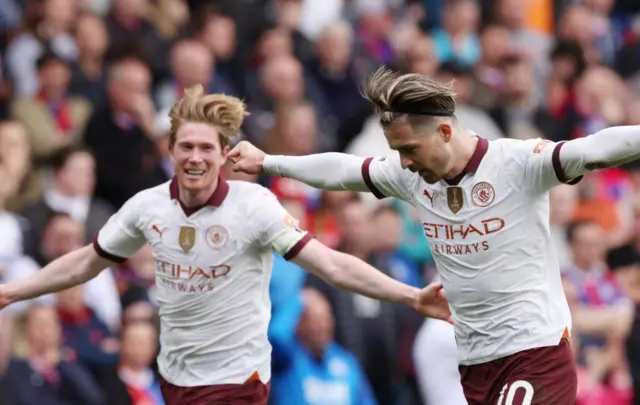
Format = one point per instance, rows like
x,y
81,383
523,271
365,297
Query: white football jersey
x,y
213,269
489,234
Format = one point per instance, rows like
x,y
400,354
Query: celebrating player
x,y
213,243
484,208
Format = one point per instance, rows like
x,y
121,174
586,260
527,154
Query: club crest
x,y
217,236
482,194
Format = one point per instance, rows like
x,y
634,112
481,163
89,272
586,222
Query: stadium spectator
x,y
365,327
120,135
88,72
21,184
93,344
139,348
52,117
70,192
457,41
44,374
309,367
61,235
48,27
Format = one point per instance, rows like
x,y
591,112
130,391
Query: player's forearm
x,y
327,171
355,275
65,272
607,148
602,322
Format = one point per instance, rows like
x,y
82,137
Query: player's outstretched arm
x,y
350,273
607,148
327,171
74,268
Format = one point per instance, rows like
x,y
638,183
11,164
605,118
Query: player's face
x,y
428,154
197,155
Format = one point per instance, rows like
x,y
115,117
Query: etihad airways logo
x,y
189,279
462,231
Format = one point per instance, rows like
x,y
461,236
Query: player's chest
x,y
177,239
465,212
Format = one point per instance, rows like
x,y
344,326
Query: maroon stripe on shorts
x,y
252,392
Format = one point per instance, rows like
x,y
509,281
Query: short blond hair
x,y
225,113
397,96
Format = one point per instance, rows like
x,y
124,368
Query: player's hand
x,y
246,158
432,302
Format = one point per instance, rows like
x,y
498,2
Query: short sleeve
x,y
385,177
542,164
277,228
121,237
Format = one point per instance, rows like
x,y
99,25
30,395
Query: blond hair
x,y
399,96
225,113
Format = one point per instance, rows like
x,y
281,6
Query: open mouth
x,y
194,172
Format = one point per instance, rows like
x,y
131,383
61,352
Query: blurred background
x,y
85,86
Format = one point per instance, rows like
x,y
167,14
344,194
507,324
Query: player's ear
x,y
225,151
445,131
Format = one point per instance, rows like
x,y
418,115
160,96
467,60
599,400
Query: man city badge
x,y
187,238
454,199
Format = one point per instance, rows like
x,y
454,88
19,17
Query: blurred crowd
x,y
85,87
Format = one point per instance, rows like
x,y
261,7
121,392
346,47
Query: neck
x,y
466,144
61,191
584,266
193,199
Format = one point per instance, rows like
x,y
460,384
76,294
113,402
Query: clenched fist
x,y
246,158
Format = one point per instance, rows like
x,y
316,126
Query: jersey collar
x,y
474,162
216,199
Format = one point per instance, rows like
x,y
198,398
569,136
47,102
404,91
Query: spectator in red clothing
x,y
139,348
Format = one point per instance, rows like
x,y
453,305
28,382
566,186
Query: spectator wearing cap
x,y
52,117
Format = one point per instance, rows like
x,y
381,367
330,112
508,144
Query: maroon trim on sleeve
x,y
557,167
104,254
366,175
293,252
